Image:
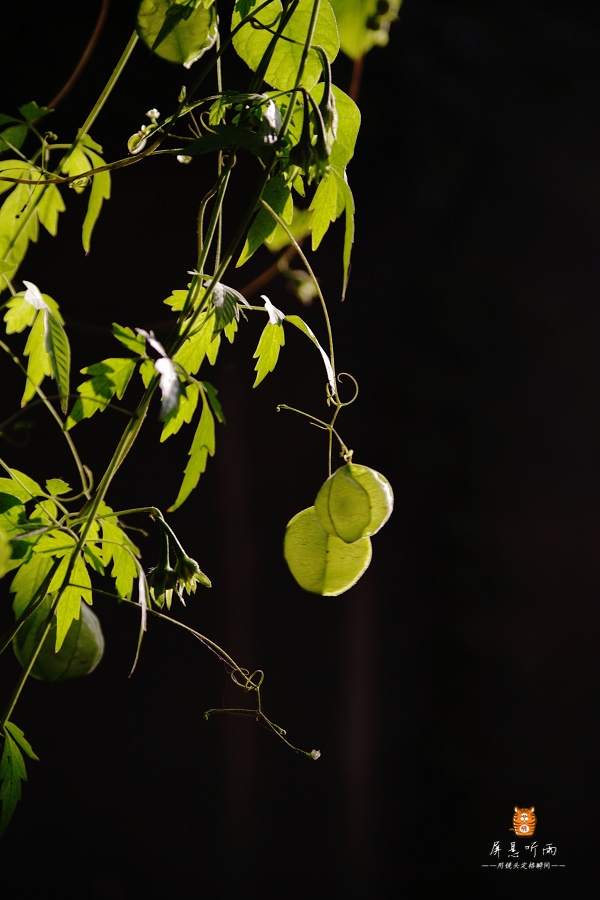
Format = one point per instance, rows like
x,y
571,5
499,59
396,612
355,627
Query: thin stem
x,y
246,681
36,601
105,94
84,56
117,72
85,485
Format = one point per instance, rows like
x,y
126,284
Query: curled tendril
x,y
354,382
248,683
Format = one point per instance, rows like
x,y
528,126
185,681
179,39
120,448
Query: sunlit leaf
x,y
118,548
28,579
267,352
99,192
278,195
179,32
57,347
5,552
364,24
252,42
128,337
301,324
201,343
188,402
202,447
12,771
19,314
109,379
56,487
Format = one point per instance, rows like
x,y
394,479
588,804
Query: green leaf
x,y
216,407
20,485
252,42
99,192
56,487
267,352
119,549
42,338
12,137
31,112
84,157
12,771
333,195
5,552
226,303
202,447
362,26
299,227
301,324
278,195
78,587
127,336
109,379
320,562
19,314
184,412
39,364
344,188
57,346
200,344
15,524
179,32
19,222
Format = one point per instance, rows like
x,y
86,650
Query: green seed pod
x,y
320,562
80,652
354,502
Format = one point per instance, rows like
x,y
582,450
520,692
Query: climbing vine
x,y
57,538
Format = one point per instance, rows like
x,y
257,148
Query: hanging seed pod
x,y
320,562
354,502
79,654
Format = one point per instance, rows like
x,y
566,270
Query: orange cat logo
x,y
524,821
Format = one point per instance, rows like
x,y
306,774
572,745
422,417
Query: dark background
x,y
460,676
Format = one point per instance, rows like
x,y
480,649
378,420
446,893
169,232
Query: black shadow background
x,y
460,677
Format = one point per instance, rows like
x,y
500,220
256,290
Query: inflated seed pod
x,y
79,654
354,502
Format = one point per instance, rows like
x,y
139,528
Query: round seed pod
x,y
354,502
79,654
320,562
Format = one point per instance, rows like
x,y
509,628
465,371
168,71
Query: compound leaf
x,y
12,771
267,352
57,346
252,43
109,379
202,447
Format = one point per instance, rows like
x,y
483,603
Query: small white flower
x,y
183,158
33,296
276,317
315,754
153,114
